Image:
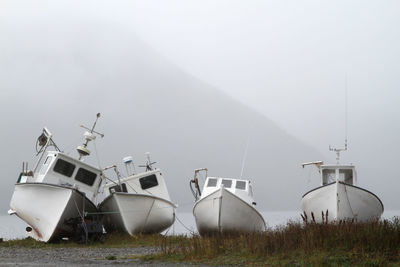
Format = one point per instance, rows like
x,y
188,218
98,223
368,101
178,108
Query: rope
x,y
188,229
132,187
165,234
83,218
71,147
148,214
109,179
79,213
348,201
193,191
97,154
309,176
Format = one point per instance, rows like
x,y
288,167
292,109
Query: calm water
x,y
12,227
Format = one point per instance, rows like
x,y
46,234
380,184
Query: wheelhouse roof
x,y
211,177
133,177
73,160
336,166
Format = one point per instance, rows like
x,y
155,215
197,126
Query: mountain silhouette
x,y
61,75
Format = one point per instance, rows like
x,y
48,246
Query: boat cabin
x,y
342,173
147,183
60,169
241,188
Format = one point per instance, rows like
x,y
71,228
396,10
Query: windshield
x,y
328,176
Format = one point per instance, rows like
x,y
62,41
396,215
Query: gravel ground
x,y
75,257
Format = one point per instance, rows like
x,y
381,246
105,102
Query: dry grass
x,y
373,244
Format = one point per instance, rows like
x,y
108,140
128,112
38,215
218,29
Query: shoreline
x,y
345,243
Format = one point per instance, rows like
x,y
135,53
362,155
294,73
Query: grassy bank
x,y
345,244
295,244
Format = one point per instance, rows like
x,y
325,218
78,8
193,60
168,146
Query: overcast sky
x,y
286,59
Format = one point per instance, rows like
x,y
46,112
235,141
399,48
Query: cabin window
x,y
148,181
117,188
85,176
64,167
212,183
227,183
328,176
45,165
346,176
241,185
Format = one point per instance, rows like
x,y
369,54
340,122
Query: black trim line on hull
x,y
347,185
235,196
367,192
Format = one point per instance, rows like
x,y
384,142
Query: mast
x,y
338,150
89,136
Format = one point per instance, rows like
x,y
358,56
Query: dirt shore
x,y
75,257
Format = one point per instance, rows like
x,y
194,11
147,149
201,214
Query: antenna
x,y
338,150
244,157
345,110
149,164
89,136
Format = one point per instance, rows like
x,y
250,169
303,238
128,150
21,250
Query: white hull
x,y
343,202
137,213
222,211
45,207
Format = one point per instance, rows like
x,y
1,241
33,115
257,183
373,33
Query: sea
x,y
11,227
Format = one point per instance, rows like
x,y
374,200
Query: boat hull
x,y
137,213
224,212
342,202
46,208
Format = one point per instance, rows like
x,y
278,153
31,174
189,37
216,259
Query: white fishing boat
x,y
339,198
139,203
226,205
55,198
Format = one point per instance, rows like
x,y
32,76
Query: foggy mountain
x,y
61,75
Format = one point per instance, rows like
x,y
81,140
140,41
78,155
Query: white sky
x,y
287,59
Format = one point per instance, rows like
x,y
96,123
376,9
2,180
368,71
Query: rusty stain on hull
x,y
39,235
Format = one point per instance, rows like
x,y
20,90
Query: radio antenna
x,y
345,110
89,136
338,150
244,157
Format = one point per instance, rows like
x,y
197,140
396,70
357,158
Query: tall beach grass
x,y
345,243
